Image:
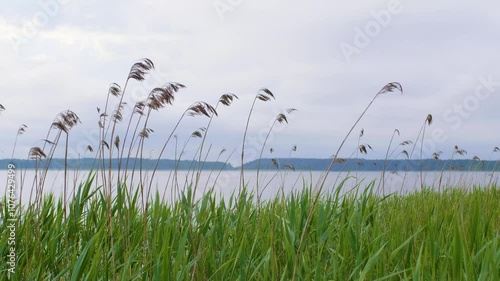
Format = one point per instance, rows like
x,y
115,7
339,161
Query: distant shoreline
x,y
296,164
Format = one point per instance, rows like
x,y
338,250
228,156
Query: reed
x,y
428,122
390,87
114,228
281,118
262,95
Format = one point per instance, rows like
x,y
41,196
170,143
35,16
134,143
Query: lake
x,y
271,183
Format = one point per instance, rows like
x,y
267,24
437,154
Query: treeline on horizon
x,y
291,164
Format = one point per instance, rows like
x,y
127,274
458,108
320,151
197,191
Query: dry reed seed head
x,y
100,124
161,96
174,86
340,160
104,143
281,118
115,90
436,155
428,119
275,162
164,95
139,107
294,148
461,151
406,142
65,121
201,108
2,108
267,91
265,96
496,149
196,134
290,110
362,149
89,148
288,166
139,70
21,129
222,151
397,131
60,126
117,116
70,118
154,103
406,153
456,147
227,99
361,134
390,87
476,158
360,164
271,150
146,132
36,153
117,142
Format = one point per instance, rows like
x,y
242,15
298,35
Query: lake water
x,y
271,183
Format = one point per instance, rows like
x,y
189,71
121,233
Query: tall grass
x,y
357,236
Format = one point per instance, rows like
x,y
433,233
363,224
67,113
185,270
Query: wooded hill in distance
x,y
307,164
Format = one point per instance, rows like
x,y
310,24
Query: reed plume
x,y
428,122
388,88
281,118
196,109
265,95
495,150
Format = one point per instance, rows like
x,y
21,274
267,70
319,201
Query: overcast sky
x,y
325,58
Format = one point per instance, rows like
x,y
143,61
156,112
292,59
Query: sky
x,y
327,59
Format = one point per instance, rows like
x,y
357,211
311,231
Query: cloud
x,y
438,50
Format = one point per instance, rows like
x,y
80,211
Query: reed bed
x,y
453,235
118,230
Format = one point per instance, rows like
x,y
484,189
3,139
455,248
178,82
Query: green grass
x,y
453,235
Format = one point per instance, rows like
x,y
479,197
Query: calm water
x,y
271,183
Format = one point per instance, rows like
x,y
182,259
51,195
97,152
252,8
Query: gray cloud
x,y
438,50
